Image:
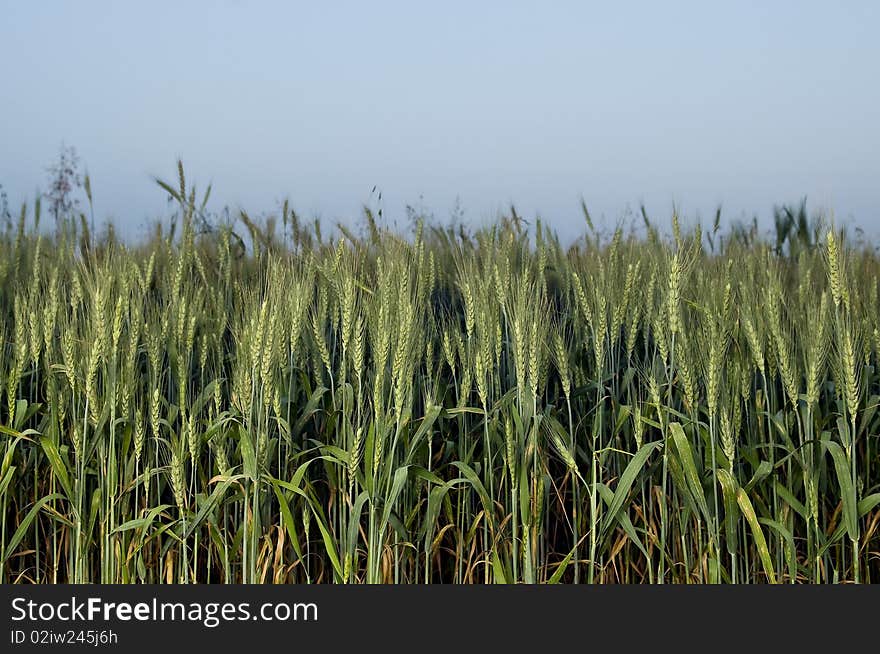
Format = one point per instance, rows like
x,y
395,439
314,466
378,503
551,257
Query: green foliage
x,y
486,407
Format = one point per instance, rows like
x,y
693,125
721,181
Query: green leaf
x,y
287,519
763,471
729,490
6,479
691,477
624,519
748,511
354,519
791,500
326,536
25,524
215,497
248,455
94,511
58,467
427,423
472,477
329,544
789,542
397,483
866,505
500,575
310,408
142,523
427,475
625,484
562,567
435,502
847,489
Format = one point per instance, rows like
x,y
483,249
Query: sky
x,y
450,104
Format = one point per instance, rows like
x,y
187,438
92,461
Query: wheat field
x,y
261,403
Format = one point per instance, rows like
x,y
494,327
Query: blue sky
x,y
695,103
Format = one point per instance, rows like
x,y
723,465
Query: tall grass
x,y
453,407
